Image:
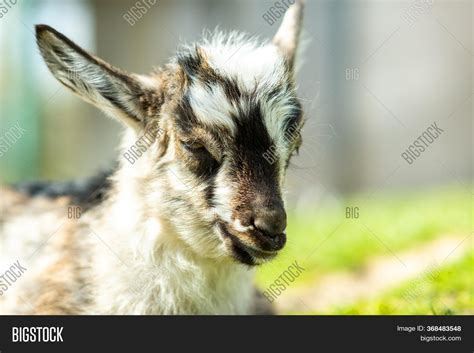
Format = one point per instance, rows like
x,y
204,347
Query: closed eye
x,y
193,146
198,150
200,161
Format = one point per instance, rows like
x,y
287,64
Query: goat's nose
x,y
270,221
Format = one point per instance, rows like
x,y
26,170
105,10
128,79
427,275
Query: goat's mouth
x,y
246,254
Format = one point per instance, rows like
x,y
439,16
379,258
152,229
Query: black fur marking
x,y
252,142
208,167
190,62
85,193
231,89
197,68
186,119
209,193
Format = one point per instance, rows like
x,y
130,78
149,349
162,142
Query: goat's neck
x,y
144,267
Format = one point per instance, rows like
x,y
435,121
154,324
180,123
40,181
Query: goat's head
x,y
225,121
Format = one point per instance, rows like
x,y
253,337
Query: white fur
x,y
212,107
237,55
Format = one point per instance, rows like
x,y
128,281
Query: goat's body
x,y
99,265
195,201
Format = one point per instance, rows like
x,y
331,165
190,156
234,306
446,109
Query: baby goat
x,y
193,205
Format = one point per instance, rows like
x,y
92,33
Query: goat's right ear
x,y
287,36
128,97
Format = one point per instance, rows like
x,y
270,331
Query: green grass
x,y
449,291
323,240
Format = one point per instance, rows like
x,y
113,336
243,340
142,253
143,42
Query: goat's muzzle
x,y
263,237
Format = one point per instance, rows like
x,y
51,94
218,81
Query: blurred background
x,y
367,226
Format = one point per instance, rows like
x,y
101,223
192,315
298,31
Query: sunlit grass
x,y
450,291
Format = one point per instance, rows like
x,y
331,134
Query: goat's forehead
x,y
239,56
247,63
213,106
229,82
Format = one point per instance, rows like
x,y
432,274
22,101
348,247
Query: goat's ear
x,y
127,97
287,36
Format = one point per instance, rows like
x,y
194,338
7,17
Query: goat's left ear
x,y
130,98
287,36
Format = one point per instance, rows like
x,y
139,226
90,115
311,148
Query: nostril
x,y
271,222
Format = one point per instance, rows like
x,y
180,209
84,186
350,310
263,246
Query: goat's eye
x,y
199,160
193,146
